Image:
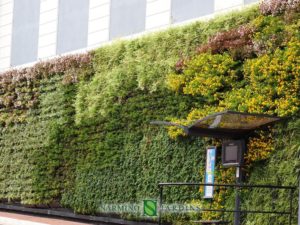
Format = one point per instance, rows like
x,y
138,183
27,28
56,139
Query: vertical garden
x,y
75,132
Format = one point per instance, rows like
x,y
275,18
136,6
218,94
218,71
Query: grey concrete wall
x,y
72,30
184,10
25,31
126,17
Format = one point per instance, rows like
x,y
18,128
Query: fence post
x,y
237,213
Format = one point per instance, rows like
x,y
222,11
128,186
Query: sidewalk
x,y
7,218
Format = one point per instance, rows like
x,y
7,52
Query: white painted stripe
x,y
2,2
98,27
158,20
221,5
48,16
5,30
47,39
98,24
157,6
9,221
4,63
5,19
98,37
47,51
48,28
158,14
95,3
5,40
47,5
99,12
6,8
5,52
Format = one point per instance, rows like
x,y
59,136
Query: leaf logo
x,y
150,208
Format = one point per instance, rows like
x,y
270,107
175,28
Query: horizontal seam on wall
x,y
4,57
41,24
44,46
91,20
102,4
7,13
154,14
48,21
10,15
45,34
6,3
98,30
4,46
155,27
1,36
3,25
222,9
48,10
97,45
150,1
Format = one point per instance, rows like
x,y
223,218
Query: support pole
x,y
160,204
299,203
237,214
291,206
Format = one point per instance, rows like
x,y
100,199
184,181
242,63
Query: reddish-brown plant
x,y
18,86
277,7
238,41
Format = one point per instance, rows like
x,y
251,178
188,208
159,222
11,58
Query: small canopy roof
x,y
227,124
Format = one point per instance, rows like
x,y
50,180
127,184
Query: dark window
x,y
25,31
127,17
72,28
188,9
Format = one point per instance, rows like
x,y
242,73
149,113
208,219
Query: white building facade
x,y
33,30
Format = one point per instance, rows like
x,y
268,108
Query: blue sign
x,y
210,172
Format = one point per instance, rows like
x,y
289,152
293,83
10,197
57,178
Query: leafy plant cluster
x,y
75,131
282,167
238,41
32,157
265,81
277,7
19,89
253,68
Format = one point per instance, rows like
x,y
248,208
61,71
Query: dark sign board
x,y
233,152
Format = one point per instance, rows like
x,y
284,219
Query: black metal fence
x,y
275,207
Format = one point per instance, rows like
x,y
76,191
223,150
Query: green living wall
x,y
75,131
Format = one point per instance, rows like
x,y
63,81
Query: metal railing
x,y
290,191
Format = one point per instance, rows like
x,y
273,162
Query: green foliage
x,y
281,168
206,75
142,64
264,82
75,131
29,179
269,34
